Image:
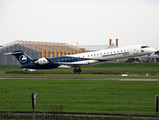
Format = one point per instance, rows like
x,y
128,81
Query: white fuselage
x,y
115,53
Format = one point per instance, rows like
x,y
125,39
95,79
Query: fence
x,y
76,107
75,115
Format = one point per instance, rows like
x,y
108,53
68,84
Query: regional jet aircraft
x,y
77,60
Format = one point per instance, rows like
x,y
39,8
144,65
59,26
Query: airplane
x,y
76,61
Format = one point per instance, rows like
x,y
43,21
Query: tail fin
x,y
21,56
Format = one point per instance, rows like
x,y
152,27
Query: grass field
x,y
101,96
80,95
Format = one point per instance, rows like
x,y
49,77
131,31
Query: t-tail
x,y
23,58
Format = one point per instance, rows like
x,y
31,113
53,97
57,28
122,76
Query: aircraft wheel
x,y
75,70
79,70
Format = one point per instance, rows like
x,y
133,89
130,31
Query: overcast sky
x,y
88,22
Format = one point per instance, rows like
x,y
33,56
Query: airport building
x,y
36,49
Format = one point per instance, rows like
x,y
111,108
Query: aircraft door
x,y
131,51
147,50
136,51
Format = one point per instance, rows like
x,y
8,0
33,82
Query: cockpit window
x,y
144,46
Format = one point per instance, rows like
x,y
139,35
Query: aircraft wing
x,y
72,63
84,62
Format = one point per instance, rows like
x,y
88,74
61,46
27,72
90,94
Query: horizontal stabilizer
x,y
12,53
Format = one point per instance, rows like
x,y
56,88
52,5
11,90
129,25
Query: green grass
x,y
101,96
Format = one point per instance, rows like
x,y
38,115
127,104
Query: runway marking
x,y
118,79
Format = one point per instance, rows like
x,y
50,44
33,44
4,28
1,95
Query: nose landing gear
x,y
77,70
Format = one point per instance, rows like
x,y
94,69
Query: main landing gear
x,y
77,70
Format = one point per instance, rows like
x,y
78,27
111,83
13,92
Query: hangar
x,y
36,50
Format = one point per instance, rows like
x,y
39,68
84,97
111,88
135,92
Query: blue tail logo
x,y
22,58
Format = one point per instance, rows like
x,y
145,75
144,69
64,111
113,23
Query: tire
x,y
75,70
79,70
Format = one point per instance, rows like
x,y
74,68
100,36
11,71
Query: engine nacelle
x,y
42,61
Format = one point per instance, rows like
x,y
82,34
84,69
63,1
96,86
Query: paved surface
x,y
37,78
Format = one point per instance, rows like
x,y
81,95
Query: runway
x,y
41,78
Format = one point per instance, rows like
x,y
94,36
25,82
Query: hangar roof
x,y
42,45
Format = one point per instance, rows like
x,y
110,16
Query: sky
x,y
86,22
